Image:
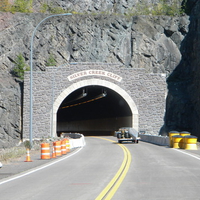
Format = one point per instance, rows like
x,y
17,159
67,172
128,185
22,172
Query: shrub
x,y
162,8
4,6
24,6
27,144
20,67
51,9
11,153
51,61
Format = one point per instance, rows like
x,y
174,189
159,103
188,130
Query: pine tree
x,y
20,67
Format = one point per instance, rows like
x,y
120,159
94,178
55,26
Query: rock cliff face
x,y
156,43
183,105
10,109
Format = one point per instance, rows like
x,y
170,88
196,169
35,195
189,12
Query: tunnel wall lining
x,y
107,125
143,92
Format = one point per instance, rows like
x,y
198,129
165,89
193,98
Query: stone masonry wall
x,y
147,91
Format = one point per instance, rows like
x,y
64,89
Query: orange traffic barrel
x,y
67,145
57,148
63,147
45,151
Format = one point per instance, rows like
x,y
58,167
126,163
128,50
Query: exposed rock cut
x,y
159,44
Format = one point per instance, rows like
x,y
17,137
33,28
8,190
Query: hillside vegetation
x,y
162,7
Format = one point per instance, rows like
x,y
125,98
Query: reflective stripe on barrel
x,y
63,147
67,145
45,151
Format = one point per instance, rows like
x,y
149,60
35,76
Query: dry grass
x,y
9,154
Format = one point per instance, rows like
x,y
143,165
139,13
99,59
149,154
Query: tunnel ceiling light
x,y
104,94
84,94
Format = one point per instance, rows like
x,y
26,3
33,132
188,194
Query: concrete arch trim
x,y
97,82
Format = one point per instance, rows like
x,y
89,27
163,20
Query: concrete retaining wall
x,y
159,140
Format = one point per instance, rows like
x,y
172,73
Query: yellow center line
x,y
109,191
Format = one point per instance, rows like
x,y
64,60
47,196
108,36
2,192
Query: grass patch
x,y
50,8
163,7
9,154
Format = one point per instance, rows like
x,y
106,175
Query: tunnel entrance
x,y
133,98
93,110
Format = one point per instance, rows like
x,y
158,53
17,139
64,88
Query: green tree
x,y
20,67
51,61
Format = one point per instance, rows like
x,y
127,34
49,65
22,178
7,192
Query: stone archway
x,y
97,82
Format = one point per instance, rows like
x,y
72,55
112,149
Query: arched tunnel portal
x,y
93,99
95,109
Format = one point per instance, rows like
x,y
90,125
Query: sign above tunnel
x,y
96,73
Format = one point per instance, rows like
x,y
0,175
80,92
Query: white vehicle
x,y
127,134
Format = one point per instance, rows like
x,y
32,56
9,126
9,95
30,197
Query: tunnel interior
x,y
93,110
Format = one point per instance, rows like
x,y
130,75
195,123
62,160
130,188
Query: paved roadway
x,y
155,173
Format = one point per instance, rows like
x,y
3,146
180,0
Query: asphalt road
x,y
161,173
155,173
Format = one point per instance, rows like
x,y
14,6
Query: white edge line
x,y
40,168
198,158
